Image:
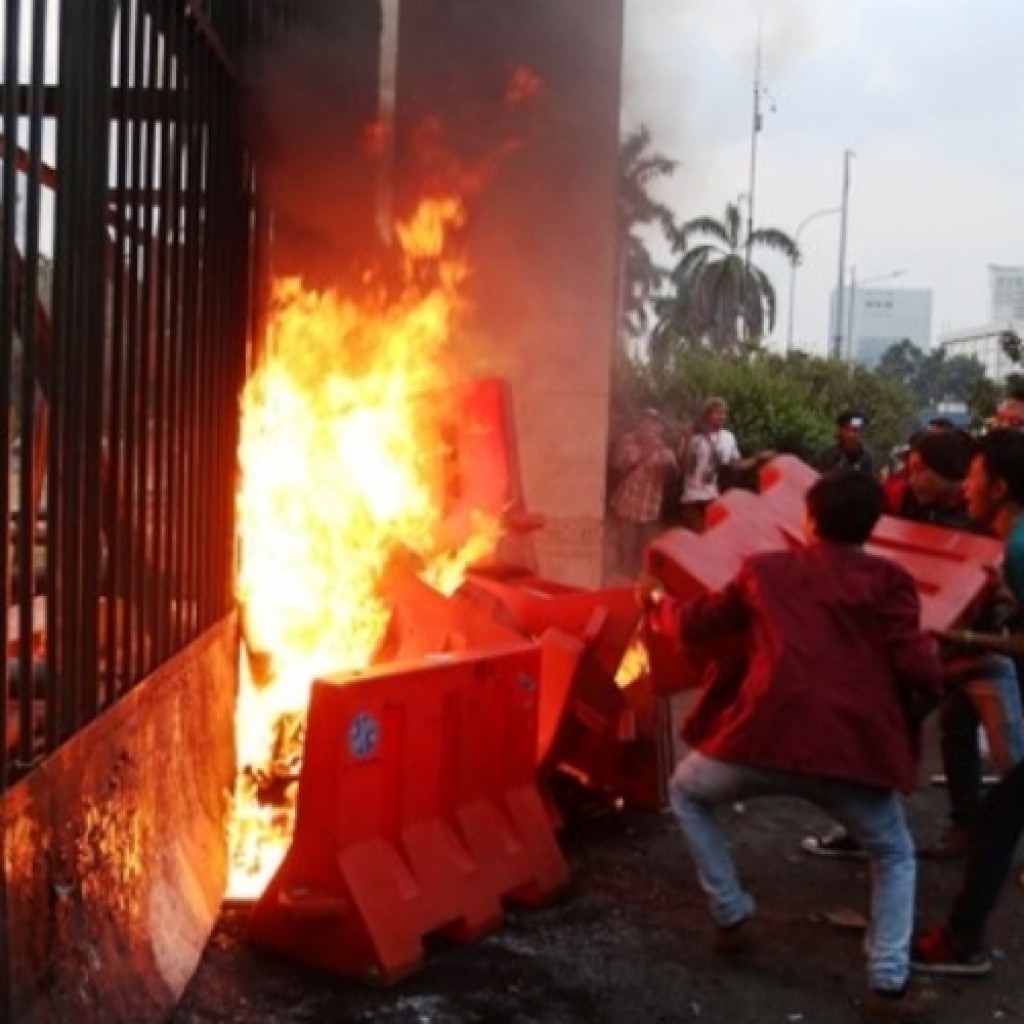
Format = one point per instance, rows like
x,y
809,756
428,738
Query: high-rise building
x,y
1006,285
877,318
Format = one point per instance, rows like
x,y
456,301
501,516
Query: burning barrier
x,y
418,812
344,463
380,514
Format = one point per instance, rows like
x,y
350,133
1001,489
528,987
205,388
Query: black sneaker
x,y
909,1005
935,952
736,940
838,843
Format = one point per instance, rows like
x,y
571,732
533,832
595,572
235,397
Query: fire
x,y
343,458
635,663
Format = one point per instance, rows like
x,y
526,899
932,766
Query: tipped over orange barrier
x,y
948,566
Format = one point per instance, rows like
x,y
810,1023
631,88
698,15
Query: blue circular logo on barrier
x,y
363,736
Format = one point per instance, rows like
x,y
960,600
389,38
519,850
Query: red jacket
x,y
835,665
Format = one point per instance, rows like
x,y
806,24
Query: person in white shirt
x,y
710,454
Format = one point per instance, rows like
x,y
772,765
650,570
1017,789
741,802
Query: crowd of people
x,y
838,676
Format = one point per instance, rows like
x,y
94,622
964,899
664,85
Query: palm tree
x,y
720,295
641,277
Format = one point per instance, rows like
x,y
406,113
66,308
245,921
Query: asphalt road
x,y
629,942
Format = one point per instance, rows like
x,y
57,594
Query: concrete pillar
x,y
542,234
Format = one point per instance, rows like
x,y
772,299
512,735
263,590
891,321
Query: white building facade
x,y
876,318
1006,286
1006,316
985,343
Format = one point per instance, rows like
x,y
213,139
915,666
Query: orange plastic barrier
x,y
579,689
417,813
947,565
482,472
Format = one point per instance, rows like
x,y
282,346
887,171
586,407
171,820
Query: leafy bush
x,y
787,404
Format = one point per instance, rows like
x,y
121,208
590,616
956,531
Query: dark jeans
x,y
986,691
961,758
1000,823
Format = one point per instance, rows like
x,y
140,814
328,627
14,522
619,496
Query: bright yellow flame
x,y
342,465
635,663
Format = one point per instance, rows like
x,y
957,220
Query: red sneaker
x,y
935,952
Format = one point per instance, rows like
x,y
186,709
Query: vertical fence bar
x,y
32,410
121,239
9,272
195,217
57,581
131,582
160,340
95,343
178,484
147,344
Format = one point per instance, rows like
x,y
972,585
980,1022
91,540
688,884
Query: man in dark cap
x,y
980,687
995,491
848,452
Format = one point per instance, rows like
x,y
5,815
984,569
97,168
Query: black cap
x,y
851,418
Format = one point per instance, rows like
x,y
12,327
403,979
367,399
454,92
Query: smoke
x,y
685,60
312,123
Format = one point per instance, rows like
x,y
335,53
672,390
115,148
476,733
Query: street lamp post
x,y
796,266
837,341
854,285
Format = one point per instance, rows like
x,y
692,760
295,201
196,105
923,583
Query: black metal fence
x,y
129,251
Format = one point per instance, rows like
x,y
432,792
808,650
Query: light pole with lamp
x,y
792,274
854,284
837,340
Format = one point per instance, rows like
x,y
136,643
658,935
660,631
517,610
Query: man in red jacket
x,y
837,675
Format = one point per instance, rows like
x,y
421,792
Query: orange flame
x,y
342,465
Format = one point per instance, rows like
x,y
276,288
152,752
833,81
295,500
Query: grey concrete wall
x,y
541,239
115,855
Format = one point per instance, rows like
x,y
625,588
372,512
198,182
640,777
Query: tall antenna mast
x,y
755,129
837,338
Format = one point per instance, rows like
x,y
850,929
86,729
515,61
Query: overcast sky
x,y
929,94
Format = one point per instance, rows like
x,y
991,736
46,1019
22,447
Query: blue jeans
x,y
874,817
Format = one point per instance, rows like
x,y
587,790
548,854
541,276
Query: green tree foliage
x,y
932,376
1012,346
642,278
784,403
720,297
983,398
902,362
